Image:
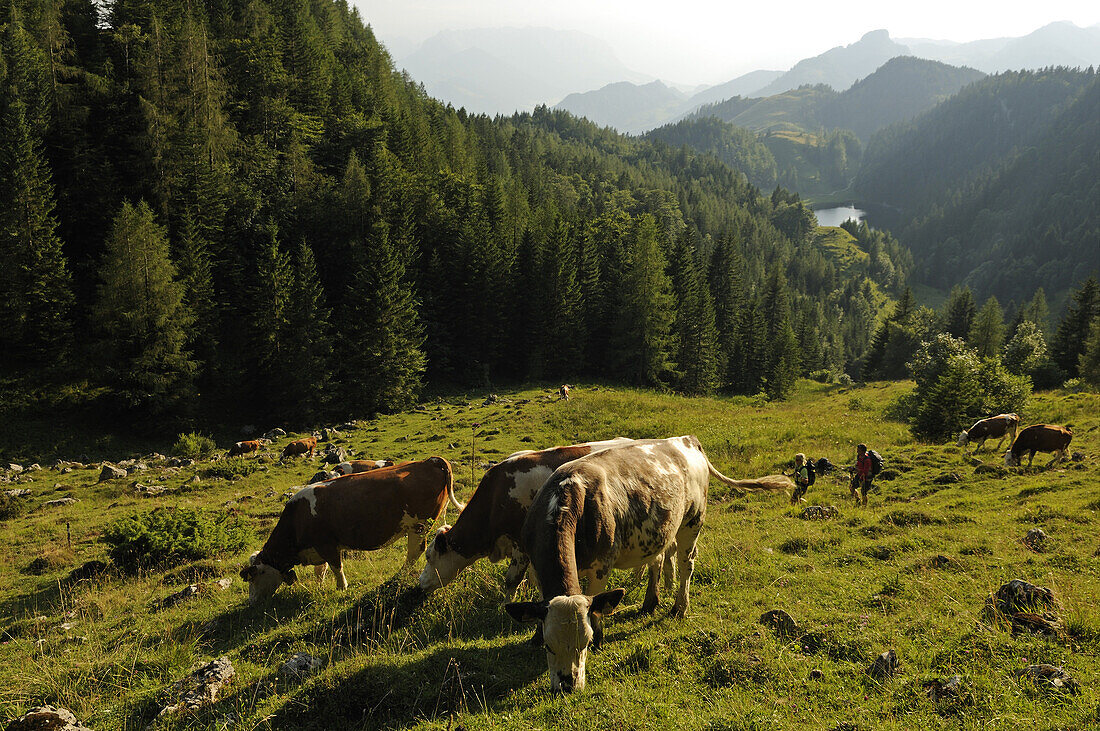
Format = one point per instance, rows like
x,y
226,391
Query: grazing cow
x,y
618,508
999,426
241,448
361,512
361,465
563,392
1039,438
492,523
300,446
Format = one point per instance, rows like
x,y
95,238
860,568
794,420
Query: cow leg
x,y
669,569
319,571
652,599
978,448
1030,457
685,556
333,559
1058,457
517,567
417,542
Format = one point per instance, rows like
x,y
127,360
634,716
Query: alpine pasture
x,y
911,573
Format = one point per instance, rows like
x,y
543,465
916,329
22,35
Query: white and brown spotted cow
x,y
361,512
998,427
618,508
356,466
492,522
1039,438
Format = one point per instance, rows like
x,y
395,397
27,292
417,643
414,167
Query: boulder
x,y
1050,678
299,665
223,584
21,492
334,455
783,623
274,434
111,472
46,718
348,426
939,689
884,666
1027,607
180,462
60,502
199,688
150,490
1036,540
15,468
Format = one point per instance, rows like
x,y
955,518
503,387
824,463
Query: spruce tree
x,y
988,330
782,357
645,310
307,378
270,297
562,317
727,293
696,335
1073,330
195,275
140,314
958,313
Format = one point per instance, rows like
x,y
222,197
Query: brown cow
x,y
305,445
999,426
356,466
361,512
241,448
1039,438
492,522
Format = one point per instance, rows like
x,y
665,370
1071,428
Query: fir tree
x,y
727,294
140,313
307,376
958,313
1073,330
988,330
195,270
696,335
1026,351
645,310
562,316
781,349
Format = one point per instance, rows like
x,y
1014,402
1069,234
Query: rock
x,y
493,398
884,666
223,584
180,462
1036,540
1027,607
944,688
88,570
22,492
185,593
947,478
274,434
526,440
16,468
111,472
819,512
330,434
60,502
150,490
816,674
1050,678
783,623
348,426
300,665
200,687
137,467
323,475
46,718
334,455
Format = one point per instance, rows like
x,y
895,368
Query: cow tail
x,y
451,495
771,483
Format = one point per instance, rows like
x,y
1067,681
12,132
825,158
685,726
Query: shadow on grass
x,y
237,625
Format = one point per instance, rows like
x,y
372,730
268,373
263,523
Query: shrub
x,y
171,536
13,507
823,376
844,379
230,469
193,445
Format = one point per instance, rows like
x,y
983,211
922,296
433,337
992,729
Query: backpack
x,y
811,473
876,462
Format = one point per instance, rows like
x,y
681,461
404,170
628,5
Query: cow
x,y
492,522
617,508
300,446
998,426
360,512
1039,438
241,448
361,465
563,392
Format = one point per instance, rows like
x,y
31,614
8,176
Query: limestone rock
x,y
60,502
1036,540
15,468
300,665
783,623
111,472
884,666
274,434
200,687
22,492
945,688
46,718
185,593
1027,607
1051,678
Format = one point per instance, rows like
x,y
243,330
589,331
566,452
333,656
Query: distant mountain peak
x,y
875,36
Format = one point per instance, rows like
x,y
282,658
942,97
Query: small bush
x,y
13,507
230,469
171,536
193,446
844,379
823,376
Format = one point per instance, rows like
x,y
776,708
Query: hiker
x,y
868,465
804,476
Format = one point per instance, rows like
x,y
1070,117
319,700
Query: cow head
x,y
568,627
963,438
264,579
1011,460
442,562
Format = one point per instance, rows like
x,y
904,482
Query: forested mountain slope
x,y
243,207
998,185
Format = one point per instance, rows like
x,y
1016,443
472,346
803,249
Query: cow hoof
x,y
678,613
650,605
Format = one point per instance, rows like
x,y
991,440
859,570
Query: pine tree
x,y
1073,330
195,270
140,313
958,313
988,330
782,356
561,316
270,297
749,359
727,294
645,310
696,335
1036,311
307,376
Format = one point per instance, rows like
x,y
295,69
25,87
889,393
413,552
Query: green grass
x,y
860,584
841,248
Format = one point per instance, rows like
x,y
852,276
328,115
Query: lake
x,y
837,216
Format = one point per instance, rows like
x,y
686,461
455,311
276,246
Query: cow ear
x,y
290,577
441,540
526,612
606,602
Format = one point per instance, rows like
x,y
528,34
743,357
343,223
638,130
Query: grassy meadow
x,y
862,583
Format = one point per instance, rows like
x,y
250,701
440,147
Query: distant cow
x,y
617,508
241,448
360,512
492,523
998,426
300,446
361,465
563,392
1039,438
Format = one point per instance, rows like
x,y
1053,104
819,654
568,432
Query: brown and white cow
x,y
998,426
617,508
492,523
1039,438
241,448
305,445
361,512
356,466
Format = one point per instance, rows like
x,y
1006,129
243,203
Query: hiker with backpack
x,y
804,476
868,465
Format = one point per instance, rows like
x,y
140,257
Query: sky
x,y
710,41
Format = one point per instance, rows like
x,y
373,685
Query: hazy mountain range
x,y
500,70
